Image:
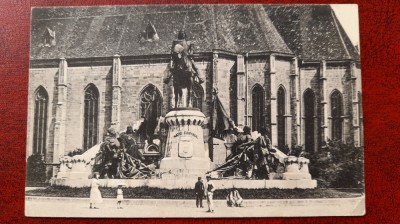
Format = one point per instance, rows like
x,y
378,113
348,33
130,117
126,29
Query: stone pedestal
x,y
185,152
78,170
303,167
293,169
64,170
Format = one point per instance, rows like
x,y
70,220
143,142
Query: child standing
x,y
120,196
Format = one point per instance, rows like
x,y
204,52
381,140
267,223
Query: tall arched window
x,y
40,121
197,96
149,94
257,99
309,123
336,113
281,117
91,115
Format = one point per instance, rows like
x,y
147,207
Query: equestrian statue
x,y
183,70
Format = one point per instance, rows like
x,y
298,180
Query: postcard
x,y
195,111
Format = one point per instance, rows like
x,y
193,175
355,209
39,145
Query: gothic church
x,y
291,68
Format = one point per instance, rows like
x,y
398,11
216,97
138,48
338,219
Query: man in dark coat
x,y
199,190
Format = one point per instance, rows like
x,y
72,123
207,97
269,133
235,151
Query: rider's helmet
x,y
181,35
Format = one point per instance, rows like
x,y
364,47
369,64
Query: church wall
x,y
46,78
309,79
337,78
134,79
255,72
206,72
358,80
359,137
78,79
224,67
283,79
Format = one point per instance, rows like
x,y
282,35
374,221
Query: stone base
x,y
62,175
181,168
275,176
296,176
78,175
189,183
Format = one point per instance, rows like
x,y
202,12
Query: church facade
x,y
291,68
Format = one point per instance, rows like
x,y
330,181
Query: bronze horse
x,y
182,73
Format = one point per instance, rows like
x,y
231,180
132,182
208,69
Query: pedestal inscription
x,y
185,153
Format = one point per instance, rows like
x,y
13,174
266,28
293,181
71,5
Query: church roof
x,y
312,32
84,32
104,31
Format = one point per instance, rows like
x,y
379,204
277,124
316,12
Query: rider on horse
x,y
182,52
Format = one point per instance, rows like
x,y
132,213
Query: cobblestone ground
x,y
80,208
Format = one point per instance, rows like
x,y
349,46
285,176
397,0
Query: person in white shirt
x,y
120,196
210,192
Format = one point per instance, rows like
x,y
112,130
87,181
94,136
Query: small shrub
x,y
338,165
35,169
297,150
76,151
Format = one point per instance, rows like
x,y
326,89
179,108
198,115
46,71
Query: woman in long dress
x,y
95,194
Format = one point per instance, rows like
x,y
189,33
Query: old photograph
x,y
195,111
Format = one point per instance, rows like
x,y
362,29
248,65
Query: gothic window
x,y
40,121
281,117
257,99
309,113
197,96
91,113
49,38
149,94
149,34
336,113
233,96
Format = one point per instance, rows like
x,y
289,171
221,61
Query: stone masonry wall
x,y
283,80
309,79
255,72
337,79
223,78
47,78
135,78
78,79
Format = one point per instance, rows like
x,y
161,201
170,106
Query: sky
x,y
348,17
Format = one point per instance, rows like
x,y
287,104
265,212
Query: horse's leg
x,y
176,92
189,93
180,93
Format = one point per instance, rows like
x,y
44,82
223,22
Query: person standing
x,y
120,196
210,192
95,194
199,190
